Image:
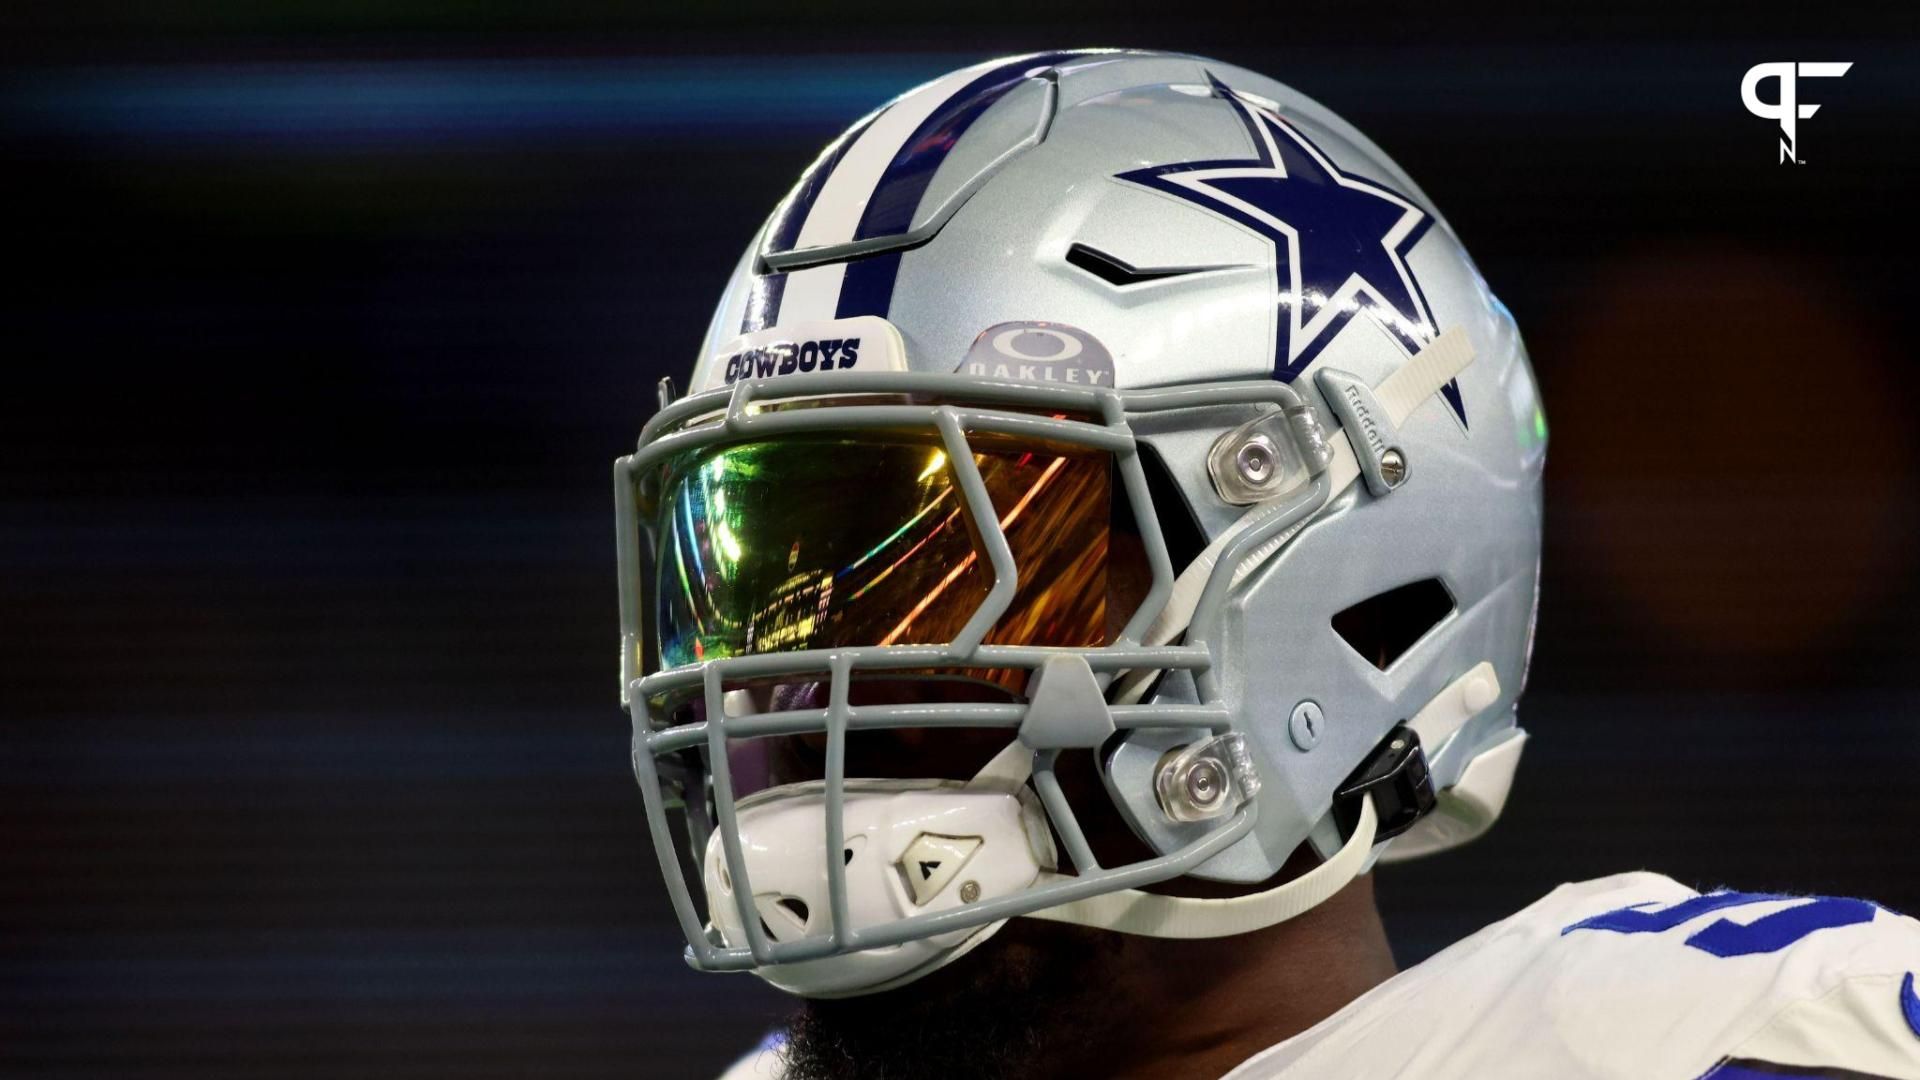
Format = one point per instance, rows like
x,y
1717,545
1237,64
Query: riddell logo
x,y
1787,110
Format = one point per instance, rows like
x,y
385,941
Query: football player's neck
x,y
1048,1001
1206,1006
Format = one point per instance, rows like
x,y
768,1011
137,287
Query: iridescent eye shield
x,y
823,542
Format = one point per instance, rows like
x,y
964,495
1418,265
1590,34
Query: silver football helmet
x,y
1105,403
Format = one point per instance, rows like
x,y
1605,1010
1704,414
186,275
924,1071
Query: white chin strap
x,y
914,847
1130,911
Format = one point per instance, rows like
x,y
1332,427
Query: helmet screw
x,y
1306,724
969,891
1255,460
1393,468
1205,783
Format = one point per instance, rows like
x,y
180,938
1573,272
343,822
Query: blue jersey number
x,y
1724,937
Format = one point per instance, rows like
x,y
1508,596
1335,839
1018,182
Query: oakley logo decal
x,y
1031,351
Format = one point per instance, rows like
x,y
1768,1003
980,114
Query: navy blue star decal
x,y
1340,241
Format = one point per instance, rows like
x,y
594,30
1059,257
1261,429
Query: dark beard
x,y
1033,1002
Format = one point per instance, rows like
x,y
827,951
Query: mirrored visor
x,y
813,542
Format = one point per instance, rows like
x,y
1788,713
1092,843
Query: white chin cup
x,y
911,848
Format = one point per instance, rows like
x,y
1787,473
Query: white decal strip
x,y
812,294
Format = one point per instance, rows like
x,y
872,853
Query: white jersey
x,y
1631,977
1637,977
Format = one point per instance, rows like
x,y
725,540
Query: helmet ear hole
x,y
1384,626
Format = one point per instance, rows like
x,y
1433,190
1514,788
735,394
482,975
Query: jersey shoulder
x,y
1637,975
763,1062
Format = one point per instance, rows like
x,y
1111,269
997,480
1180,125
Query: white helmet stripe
x,y
813,294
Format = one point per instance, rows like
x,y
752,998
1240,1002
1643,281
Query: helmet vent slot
x,y
1117,271
1383,627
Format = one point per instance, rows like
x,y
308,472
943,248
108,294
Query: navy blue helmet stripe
x,y
763,302
867,288
891,207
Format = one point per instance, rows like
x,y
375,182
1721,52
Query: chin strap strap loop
x,y
1130,911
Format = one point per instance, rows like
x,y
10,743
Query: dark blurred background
x,y
325,321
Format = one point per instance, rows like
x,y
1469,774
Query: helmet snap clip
x,y
1206,780
1270,455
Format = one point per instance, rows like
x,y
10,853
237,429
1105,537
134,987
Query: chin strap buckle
x,y
1397,777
